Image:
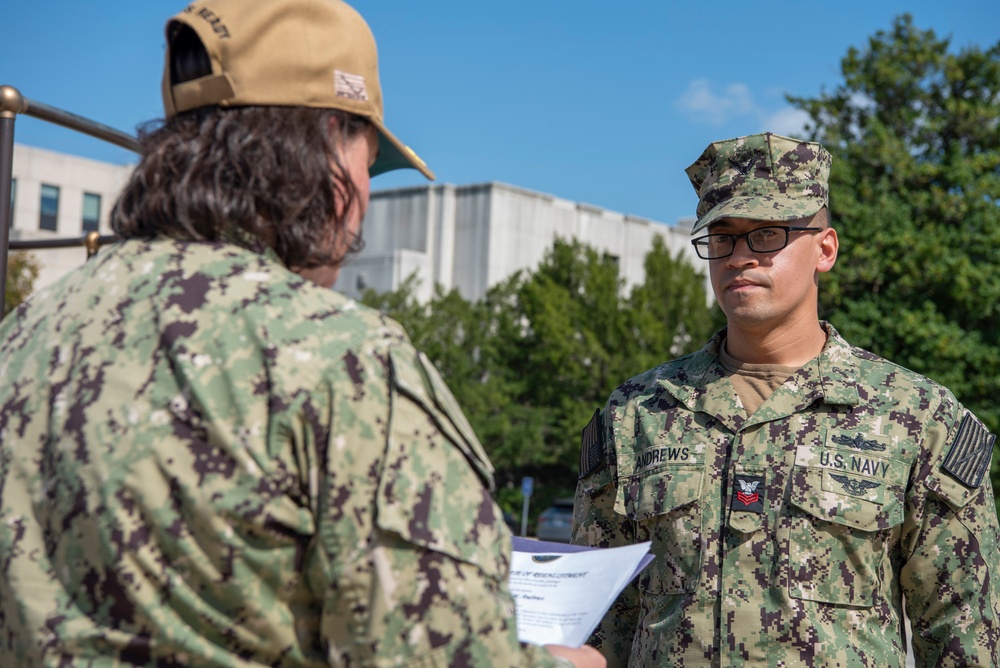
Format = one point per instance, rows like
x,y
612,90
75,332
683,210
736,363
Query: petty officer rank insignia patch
x,y
748,493
592,455
970,453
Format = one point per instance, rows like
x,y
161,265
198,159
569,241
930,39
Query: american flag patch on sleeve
x,y
592,456
970,453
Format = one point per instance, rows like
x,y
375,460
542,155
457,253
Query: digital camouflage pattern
x,y
206,460
791,537
760,177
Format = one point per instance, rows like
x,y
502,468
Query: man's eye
x,y
723,239
765,235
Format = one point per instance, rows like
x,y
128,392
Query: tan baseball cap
x,y
760,177
305,53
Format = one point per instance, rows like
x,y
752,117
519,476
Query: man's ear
x,y
333,128
829,244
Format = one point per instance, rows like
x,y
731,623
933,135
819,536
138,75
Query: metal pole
x,y
11,103
91,241
527,486
88,127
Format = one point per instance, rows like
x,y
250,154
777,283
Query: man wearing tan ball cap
x,y
207,456
283,53
801,494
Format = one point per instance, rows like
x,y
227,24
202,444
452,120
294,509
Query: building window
x,y
91,212
13,198
49,213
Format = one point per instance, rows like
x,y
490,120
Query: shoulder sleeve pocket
x,y
965,465
434,489
418,379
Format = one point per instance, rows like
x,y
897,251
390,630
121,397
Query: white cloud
x,y
703,103
789,121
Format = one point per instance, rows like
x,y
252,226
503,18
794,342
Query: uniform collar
x,y
835,371
702,384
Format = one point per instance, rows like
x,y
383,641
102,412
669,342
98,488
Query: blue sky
x,y
599,102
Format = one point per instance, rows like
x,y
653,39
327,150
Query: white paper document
x,y
561,592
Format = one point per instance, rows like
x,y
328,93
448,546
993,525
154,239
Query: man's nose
x,y
741,253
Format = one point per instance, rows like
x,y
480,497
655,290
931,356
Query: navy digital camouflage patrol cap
x,y
760,177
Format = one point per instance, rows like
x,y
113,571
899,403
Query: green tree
x,y
22,270
915,134
669,309
583,337
575,323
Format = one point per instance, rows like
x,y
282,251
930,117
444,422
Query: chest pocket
x,y
665,503
840,527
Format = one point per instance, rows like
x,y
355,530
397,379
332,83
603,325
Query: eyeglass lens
x,y
761,240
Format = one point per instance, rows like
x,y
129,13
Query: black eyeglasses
x,y
762,240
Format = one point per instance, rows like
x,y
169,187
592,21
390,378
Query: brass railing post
x,y
11,104
92,241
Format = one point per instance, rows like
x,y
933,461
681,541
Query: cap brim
x,y
394,154
760,208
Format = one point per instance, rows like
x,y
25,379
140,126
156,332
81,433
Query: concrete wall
x,y
473,237
74,176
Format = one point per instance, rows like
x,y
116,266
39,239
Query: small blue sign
x,y
527,485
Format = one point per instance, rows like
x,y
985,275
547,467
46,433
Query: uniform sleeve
x,y
415,553
950,543
596,523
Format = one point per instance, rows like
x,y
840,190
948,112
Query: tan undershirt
x,y
754,383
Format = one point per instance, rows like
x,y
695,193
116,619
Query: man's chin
x,y
748,315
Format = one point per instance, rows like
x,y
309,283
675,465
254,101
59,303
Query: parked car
x,y
555,523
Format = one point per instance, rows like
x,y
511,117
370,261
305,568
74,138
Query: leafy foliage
x,y
22,270
915,134
533,360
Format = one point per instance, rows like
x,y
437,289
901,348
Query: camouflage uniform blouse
x,y
793,537
208,461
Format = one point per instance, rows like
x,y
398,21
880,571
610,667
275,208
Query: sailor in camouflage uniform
x,y
800,493
207,457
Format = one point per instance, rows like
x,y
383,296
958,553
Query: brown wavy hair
x,y
262,176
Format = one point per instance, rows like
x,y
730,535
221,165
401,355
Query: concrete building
x,y
472,237
57,196
466,237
